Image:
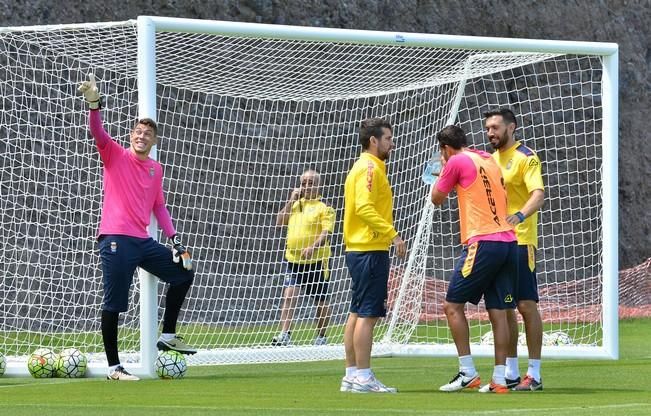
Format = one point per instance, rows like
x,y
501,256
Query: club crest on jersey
x,y
509,164
151,172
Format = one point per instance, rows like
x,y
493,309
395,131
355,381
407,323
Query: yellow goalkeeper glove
x,y
91,93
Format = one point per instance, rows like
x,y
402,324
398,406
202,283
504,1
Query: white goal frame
x,y
147,28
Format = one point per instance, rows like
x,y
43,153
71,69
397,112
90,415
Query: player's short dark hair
x,y
149,123
372,127
507,115
452,136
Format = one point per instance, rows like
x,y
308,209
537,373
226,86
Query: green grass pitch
x,y
572,387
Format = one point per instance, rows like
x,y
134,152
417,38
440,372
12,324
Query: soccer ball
x,y
560,338
548,339
41,363
487,338
71,364
171,364
3,364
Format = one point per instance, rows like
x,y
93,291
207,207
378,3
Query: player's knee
x,y
528,308
452,309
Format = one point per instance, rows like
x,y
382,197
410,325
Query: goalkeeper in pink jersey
x,y
133,190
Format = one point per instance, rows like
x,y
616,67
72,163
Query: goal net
x,y
243,110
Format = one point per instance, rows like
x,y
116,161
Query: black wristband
x,y
95,105
520,216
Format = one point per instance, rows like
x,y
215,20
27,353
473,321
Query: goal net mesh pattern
x,y
239,120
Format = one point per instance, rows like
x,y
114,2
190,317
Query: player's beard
x,y
384,155
502,140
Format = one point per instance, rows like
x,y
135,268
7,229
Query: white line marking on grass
x,y
305,411
42,383
563,410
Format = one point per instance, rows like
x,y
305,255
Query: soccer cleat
x,y
321,340
460,382
282,339
529,384
122,375
494,388
372,385
175,344
346,384
512,382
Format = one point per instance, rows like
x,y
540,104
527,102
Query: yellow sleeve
x,y
328,218
366,203
532,174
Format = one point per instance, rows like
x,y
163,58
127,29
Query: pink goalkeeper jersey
x,y
133,188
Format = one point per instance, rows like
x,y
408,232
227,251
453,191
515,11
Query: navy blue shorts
x,y
369,271
527,281
313,278
121,255
488,269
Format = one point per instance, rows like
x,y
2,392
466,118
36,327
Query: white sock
x,y
113,368
467,366
512,371
533,369
363,374
351,372
167,337
498,374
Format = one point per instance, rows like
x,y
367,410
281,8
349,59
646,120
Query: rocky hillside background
x,y
625,22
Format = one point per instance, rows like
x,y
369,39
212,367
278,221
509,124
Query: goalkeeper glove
x,y
180,253
91,93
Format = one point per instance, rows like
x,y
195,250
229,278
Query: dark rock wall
x,y
626,22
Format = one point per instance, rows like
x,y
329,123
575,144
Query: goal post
x,y
243,109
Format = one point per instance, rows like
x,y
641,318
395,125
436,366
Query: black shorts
x,y
527,281
121,255
313,278
369,271
488,269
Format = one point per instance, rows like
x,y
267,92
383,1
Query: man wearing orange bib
x,y
487,267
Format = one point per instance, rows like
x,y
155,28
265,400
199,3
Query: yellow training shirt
x,y
309,217
368,207
522,173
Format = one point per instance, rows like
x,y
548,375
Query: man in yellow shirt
x,y
368,234
309,223
525,193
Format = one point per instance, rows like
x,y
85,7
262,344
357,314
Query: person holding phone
x,y
309,221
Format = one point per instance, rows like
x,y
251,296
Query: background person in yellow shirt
x,y
525,195
309,223
368,234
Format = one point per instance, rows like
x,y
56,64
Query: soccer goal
x,y
243,109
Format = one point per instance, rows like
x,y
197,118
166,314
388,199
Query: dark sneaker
x,y
122,375
510,383
283,339
320,340
460,382
175,344
529,384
